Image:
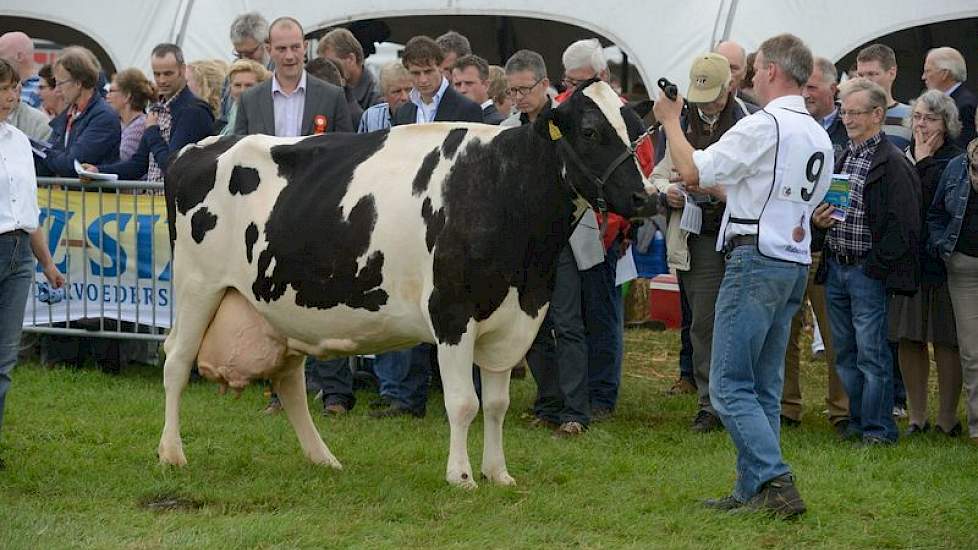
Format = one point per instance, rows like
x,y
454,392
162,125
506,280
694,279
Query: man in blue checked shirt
x,y
18,49
395,85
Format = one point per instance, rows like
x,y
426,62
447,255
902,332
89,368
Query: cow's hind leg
x,y
495,402
461,404
181,346
291,388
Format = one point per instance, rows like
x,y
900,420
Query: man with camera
x,y
775,166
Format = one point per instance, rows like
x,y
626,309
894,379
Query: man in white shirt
x,y
19,231
766,232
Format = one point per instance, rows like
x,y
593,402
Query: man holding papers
x,y
868,255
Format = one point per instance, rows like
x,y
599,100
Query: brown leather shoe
x,y
778,497
274,407
335,409
682,386
570,429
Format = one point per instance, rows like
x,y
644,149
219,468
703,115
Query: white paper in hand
x,y
692,220
626,270
93,175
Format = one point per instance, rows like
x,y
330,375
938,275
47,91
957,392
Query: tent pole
x,y
182,33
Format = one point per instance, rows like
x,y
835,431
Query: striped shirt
x,y
377,117
131,134
852,237
30,91
893,127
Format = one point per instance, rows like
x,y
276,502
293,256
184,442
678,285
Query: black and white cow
x,y
355,244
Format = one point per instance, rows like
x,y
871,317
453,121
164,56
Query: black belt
x,y
847,259
14,233
740,240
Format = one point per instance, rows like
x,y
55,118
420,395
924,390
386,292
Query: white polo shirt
x,y
18,182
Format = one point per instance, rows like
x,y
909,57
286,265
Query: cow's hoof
x,y
329,461
171,456
462,480
500,478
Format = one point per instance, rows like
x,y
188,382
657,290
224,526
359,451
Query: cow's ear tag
x,y
555,131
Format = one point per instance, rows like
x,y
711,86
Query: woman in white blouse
x,y
19,231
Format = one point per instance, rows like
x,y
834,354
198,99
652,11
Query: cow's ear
x,y
547,124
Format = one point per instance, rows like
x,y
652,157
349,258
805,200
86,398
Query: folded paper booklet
x,y
94,175
838,196
40,147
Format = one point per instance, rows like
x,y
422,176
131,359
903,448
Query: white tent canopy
x,y
659,38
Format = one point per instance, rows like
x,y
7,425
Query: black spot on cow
x,y
314,246
251,236
451,143
423,177
201,222
503,222
434,222
190,177
244,180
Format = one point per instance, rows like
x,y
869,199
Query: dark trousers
x,y
603,311
334,377
558,357
686,351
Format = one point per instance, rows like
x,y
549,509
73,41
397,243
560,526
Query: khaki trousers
x,y
791,401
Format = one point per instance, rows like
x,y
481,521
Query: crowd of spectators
x,y
897,278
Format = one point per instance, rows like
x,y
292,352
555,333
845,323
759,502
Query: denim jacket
x,y
946,213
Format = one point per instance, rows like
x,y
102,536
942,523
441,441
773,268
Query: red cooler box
x,y
664,301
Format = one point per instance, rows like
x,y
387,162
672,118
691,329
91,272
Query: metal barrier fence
x,y
93,229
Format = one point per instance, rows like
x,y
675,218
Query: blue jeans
x,y
603,310
857,315
16,274
403,376
758,298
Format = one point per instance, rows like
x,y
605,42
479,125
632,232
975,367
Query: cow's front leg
x,y
461,404
291,388
495,402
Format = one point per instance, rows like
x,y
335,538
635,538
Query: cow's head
x,y
595,134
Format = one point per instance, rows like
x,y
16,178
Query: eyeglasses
x,y
844,113
62,83
572,82
520,91
917,117
245,54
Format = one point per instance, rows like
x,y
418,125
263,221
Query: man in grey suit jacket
x,y
289,103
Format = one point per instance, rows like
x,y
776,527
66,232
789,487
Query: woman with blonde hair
x,y
243,74
206,80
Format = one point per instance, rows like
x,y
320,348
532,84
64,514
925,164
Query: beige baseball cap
x,y
708,75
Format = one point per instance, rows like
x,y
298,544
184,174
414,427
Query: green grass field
x,y
82,471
